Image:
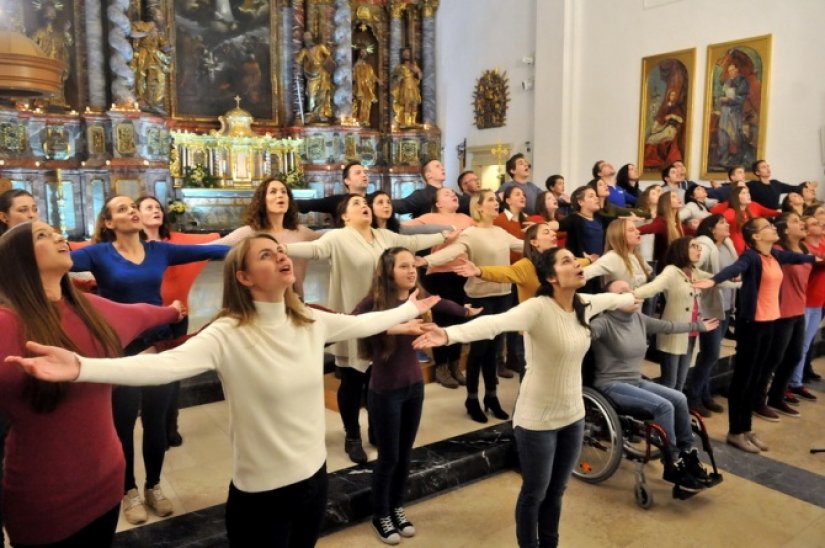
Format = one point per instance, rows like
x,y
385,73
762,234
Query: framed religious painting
x,y
666,110
736,104
223,49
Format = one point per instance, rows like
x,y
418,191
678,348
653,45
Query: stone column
x,y
287,89
342,77
396,10
123,83
297,37
428,105
94,54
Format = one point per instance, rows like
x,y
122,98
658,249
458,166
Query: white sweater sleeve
x,y
518,318
203,352
415,242
318,249
606,301
608,263
343,327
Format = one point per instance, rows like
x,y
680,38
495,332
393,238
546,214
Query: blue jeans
x,y
813,317
547,458
668,406
710,342
675,367
395,416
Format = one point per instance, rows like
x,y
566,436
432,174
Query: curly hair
x,y
256,214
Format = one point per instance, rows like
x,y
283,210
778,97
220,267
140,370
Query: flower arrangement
x,y
294,178
199,177
175,211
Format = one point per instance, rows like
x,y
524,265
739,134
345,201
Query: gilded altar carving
x,y
490,99
314,59
150,64
55,38
406,91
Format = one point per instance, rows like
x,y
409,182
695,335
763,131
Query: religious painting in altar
x,y
665,112
736,104
224,48
55,26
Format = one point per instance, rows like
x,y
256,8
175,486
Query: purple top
x,y
401,368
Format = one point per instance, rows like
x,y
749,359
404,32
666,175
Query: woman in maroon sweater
x,y
396,389
64,470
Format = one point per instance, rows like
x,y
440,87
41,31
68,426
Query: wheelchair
x,y
609,436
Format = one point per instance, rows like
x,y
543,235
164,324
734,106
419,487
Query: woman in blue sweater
x,y
130,270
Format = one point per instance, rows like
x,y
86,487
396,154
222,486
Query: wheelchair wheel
x,y
602,449
644,497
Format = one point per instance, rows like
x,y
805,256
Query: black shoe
x,y
404,526
713,406
677,474
811,377
385,530
354,450
699,407
174,439
693,466
491,403
474,409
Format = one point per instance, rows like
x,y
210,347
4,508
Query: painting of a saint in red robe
x,y
667,90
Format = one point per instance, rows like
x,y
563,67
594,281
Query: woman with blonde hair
x,y
267,349
622,259
666,227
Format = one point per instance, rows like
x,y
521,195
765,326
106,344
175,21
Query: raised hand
x,y
179,306
707,283
467,268
435,337
420,262
423,305
473,311
54,364
415,327
450,237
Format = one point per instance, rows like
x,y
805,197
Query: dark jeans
x,y
178,330
786,353
710,343
483,353
351,394
287,517
396,415
446,285
151,403
547,458
98,534
753,347
515,341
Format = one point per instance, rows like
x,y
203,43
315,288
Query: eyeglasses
x,y
767,227
695,246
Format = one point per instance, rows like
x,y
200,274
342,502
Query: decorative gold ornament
x,y
236,122
429,7
490,99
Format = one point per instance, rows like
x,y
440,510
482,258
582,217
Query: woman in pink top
x,y
64,464
442,281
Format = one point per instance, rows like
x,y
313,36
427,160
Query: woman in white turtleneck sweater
x,y
267,349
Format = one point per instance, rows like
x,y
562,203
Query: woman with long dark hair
x,y
627,178
64,463
738,210
129,269
548,422
396,388
267,349
16,206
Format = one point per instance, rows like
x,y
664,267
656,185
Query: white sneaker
x,y
133,509
157,501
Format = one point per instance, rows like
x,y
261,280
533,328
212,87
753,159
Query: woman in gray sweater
x,y
619,344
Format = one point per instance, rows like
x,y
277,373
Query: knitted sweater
x,y
555,342
620,343
353,260
485,247
64,469
273,378
612,267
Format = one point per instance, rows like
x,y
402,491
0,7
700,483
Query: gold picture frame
x,y
666,110
736,104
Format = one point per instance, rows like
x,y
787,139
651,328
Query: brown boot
x,y
455,371
443,377
503,372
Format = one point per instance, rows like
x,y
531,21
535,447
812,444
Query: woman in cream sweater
x,y
267,349
548,422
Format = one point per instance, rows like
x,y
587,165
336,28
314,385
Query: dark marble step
x,y
435,468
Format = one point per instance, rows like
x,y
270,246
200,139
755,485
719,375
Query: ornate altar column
x,y
286,62
94,54
396,9
123,84
428,106
342,77
294,96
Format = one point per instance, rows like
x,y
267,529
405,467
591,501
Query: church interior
x,y
199,102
